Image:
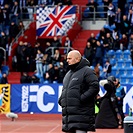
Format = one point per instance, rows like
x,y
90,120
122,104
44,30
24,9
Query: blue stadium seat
x,y
100,8
120,63
129,71
118,54
122,71
128,63
97,36
124,79
115,3
86,12
126,54
113,61
129,1
92,67
114,0
100,68
5,69
99,1
130,79
115,71
110,53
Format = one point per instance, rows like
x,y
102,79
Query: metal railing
x,y
28,17
4,55
60,48
94,15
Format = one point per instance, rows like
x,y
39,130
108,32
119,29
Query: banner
x,y
43,98
55,20
38,98
4,98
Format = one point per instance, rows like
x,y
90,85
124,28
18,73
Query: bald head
x,y
73,57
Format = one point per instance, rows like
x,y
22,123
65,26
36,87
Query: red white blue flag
x,y
55,21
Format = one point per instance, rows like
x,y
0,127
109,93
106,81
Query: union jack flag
x,y
55,20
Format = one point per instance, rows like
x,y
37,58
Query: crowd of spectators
x,y
117,34
46,66
12,14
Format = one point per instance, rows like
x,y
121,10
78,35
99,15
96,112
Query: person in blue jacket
x,y
120,94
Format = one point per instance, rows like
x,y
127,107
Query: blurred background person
x,y
120,94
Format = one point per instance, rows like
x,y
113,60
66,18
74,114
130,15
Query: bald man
x,y
80,87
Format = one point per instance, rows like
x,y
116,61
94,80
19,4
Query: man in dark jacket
x,y
108,116
80,87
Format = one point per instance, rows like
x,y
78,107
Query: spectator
x,y
56,74
4,43
35,79
56,57
39,62
48,49
120,94
15,12
108,105
58,2
68,45
115,34
92,7
6,12
116,43
107,68
111,13
55,43
130,46
1,20
118,19
65,64
97,71
124,42
131,5
121,5
47,56
21,57
92,41
18,55
1,58
108,43
62,72
99,54
68,2
130,20
25,78
49,74
36,48
4,79
30,4
13,31
124,25
20,26
88,52
102,33
106,4
3,40
29,57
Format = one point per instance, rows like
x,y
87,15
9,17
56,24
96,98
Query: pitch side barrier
x,y
43,98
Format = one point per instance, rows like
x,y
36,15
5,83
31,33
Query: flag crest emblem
x,y
55,20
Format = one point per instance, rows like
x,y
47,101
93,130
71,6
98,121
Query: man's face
x,y
71,59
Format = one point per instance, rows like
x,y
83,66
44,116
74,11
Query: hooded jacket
x,y
80,86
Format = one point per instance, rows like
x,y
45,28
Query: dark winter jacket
x,y
80,86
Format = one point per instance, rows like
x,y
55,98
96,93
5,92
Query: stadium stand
x,y
79,36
